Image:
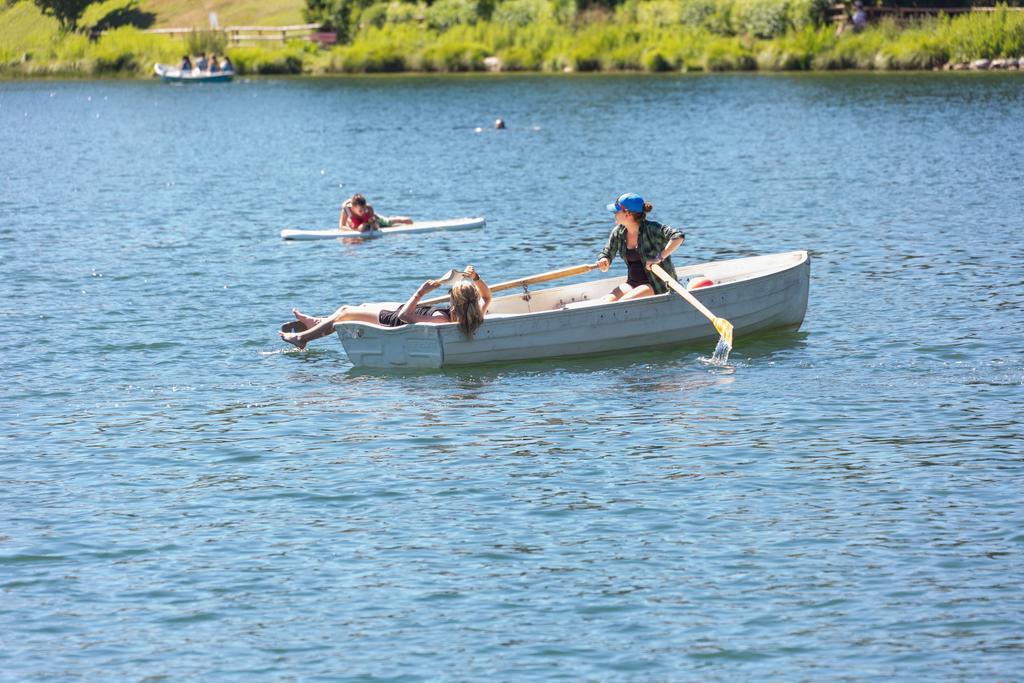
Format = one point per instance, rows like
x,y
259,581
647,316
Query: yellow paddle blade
x,y
724,328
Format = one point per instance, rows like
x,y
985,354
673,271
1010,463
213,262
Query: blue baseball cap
x,y
629,202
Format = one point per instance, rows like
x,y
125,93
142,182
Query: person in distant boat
x,y
201,62
226,65
214,65
856,21
186,64
357,214
468,298
641,243
860,17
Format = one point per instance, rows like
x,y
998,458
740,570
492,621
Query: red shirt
x,y
355,221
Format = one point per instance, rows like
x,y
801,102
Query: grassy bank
x,y
639,36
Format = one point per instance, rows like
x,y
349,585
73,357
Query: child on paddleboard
x,y
357,214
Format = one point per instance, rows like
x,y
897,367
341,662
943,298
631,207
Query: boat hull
x,y
754,294
421,226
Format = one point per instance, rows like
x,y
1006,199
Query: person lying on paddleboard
x,y
357,214
641,243
468,300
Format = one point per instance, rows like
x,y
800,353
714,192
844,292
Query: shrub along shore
x,y
650,36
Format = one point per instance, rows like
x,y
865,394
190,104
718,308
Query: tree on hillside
x,y
332,15
66,12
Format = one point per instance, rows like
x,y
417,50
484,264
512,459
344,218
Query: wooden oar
x,y
532,279
723,326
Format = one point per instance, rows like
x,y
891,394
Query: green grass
x,y
988,35
647,35
24,19
927,44
24,32
188,13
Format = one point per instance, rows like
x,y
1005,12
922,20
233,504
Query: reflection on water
x,y
765,345
759,345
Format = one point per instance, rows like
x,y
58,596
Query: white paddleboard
x,y
421,226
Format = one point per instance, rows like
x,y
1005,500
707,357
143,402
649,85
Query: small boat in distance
x,y
418,226
756,293
172,74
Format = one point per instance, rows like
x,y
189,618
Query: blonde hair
x,y
465,310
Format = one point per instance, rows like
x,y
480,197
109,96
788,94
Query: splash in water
x,y
721,354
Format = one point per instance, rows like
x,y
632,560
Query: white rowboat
x,y
756,293
421,226
175,75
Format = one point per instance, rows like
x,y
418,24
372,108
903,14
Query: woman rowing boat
x,y
469,299
641,243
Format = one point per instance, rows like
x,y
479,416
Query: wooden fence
x,y
251,35
840,12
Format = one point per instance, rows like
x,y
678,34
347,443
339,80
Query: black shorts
x,y
391,319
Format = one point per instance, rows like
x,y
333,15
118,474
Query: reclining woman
x,y
641,243
469,299
357,214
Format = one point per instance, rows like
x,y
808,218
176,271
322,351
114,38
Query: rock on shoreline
x,y
1006,64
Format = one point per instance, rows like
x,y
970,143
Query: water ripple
x,y
181,500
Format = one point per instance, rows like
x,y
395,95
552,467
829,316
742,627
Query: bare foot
x,y
307,320
295,339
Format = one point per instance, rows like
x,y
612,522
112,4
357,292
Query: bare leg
x,y
616,293
324,326
312,321
300,339
400,220
637,292
307,320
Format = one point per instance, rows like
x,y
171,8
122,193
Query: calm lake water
x,y
181,500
